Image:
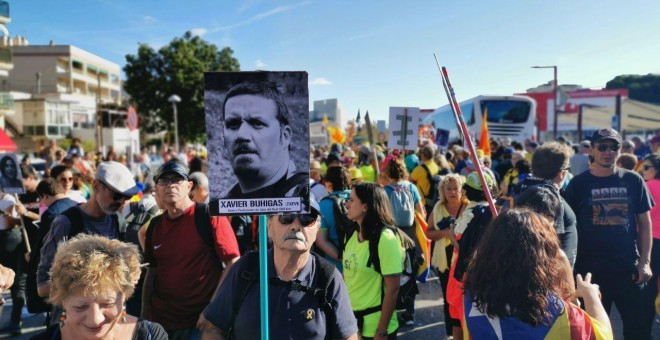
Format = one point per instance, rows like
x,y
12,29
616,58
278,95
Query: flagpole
x,y
468,140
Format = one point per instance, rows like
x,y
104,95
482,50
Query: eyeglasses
x,y
117,196
66,179
163,181
604,147
305,219
568,167
646,167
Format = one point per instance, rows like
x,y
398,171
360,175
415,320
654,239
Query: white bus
x,y
508,116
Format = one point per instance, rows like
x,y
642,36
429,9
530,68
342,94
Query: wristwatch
x,y
381,333
26,213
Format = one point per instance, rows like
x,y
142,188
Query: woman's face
x,y
92,317
9,169
648,171
452,192
356,209
66,180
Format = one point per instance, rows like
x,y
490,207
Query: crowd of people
x,y
576,228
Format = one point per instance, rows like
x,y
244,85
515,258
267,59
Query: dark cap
x,y
655,140
605,134
332,157
172,167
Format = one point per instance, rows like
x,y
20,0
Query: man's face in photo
x,y
256,143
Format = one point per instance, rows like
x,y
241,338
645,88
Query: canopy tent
x,y
6,144
636,116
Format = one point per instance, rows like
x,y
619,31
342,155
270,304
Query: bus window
x,y
506,111
444,118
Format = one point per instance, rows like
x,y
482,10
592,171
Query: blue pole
x,y
263,275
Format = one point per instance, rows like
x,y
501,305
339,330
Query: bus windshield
x,y
506,111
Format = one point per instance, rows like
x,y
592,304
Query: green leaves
x,y
177,68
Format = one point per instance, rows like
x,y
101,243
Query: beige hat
x,y
315,165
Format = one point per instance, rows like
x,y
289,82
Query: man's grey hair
x,y
201,179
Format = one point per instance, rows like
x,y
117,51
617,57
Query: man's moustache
x,y
295,236
243,149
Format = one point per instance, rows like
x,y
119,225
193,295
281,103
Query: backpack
x,y
242,226
433,195
403,207
325,276
36,303
412,261
509,201
202,224
343,224
136,218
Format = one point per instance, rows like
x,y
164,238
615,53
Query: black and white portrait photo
x,y
11,179
258,141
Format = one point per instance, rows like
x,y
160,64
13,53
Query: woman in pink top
x,y
651,174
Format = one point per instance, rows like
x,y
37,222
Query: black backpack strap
x,y
429,177
203,224
326,272
248,277
75,220
120,224
148,242
205,229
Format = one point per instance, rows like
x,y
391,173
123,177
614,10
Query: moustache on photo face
x,y
295,236
243,148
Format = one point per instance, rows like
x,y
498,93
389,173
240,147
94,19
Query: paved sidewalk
x,y
429,319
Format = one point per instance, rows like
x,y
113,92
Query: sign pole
x,y
468,139
263,275
370,133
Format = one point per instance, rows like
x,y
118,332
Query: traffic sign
x,y
131,119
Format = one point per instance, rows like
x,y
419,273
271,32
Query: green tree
x,y
645,88
178,68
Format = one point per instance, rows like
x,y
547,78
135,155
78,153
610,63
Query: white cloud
x,y
259,64
320,82
261,16
147,19
198,31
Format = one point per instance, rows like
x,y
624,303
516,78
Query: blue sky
x,y
375,54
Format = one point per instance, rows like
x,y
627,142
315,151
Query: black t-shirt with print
x,y
606,210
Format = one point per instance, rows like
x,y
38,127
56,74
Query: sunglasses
x,y
163,181
647,167
604,147
66,179
305,219
117,196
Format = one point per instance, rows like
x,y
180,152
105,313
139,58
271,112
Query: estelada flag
x,y
567,321
484,140
425,244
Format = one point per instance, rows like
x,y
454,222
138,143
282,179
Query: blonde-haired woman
x,y
446,211
91,278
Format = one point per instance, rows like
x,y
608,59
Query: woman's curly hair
x,y
91,264
516,268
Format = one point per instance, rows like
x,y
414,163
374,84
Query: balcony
x,y
6,61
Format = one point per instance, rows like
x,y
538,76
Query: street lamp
x,y
175,99
554,91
